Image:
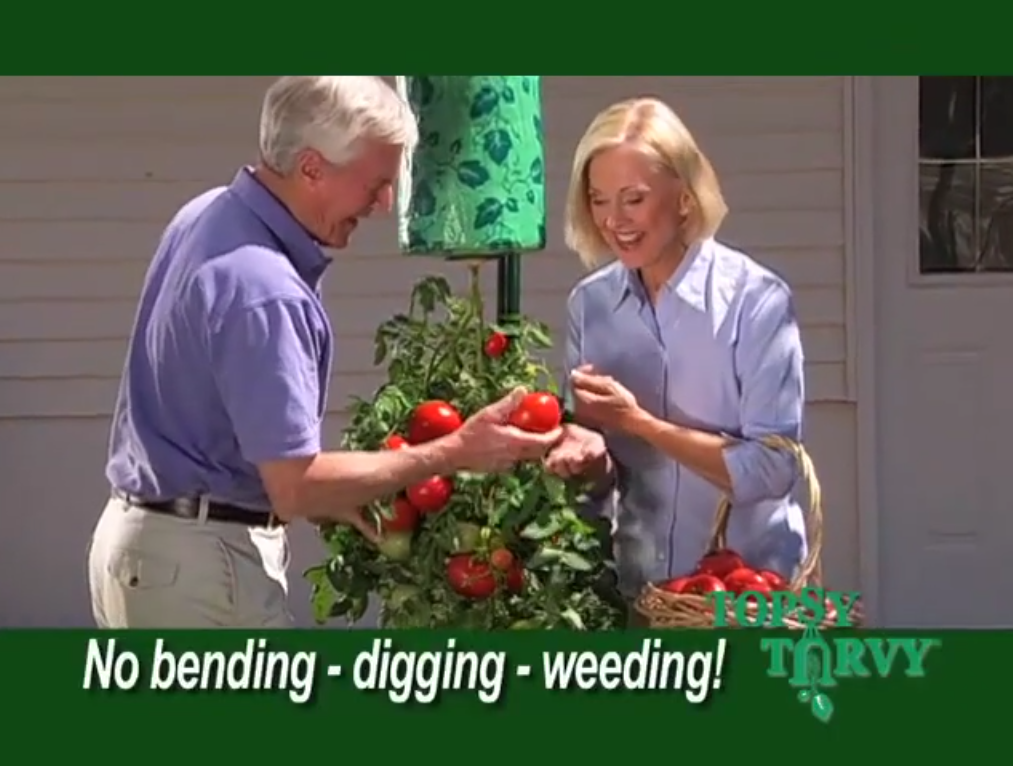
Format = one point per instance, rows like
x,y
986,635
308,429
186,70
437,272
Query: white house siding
x,y
92,168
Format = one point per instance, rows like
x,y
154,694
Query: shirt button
x,y
661,557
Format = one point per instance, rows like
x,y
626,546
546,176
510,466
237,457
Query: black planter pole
x,y
508,286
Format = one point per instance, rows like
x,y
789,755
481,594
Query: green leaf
x,y
572,618
323,597
544,557
379,350
822,708
575,562
536,531
358,604
538,334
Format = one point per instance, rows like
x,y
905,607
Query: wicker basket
x,y
660,609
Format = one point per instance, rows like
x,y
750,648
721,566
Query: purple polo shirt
x,y
230,356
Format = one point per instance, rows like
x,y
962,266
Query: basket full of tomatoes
x,y
690,600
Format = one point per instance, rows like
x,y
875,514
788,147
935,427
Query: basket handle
x,y
811,570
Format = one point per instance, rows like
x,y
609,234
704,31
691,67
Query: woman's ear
x,y
685,204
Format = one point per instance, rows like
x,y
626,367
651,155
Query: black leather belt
x,y
190,508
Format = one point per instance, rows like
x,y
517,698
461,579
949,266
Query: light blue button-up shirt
x,y
718,352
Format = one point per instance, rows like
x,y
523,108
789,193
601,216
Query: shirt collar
x,y
689,281
302,249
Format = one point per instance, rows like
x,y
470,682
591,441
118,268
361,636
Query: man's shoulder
x,y
235,263
249,276
192,209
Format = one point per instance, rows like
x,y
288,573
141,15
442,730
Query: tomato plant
x,y
530,557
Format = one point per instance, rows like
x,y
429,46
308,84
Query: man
x,y
216,439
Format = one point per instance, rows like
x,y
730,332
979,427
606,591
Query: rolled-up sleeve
x,y
770,364
266,369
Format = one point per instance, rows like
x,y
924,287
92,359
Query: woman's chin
x,y
633,259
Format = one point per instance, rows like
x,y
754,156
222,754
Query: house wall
x,y
92,168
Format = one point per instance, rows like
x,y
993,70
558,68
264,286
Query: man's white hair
x,y
332,115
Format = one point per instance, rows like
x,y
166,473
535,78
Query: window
x,y
965,172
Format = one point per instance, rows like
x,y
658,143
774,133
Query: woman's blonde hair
x,y
656,130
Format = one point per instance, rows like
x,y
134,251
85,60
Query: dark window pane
x,y
996,226
996,105
947,239
946,117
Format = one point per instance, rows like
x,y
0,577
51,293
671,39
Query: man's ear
x,y
309,166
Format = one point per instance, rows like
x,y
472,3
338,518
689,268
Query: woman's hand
x,y
601,401
579,453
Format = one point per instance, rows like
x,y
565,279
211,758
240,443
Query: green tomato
x,y
467,537
396,546
524,625
401,595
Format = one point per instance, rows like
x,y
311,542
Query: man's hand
x,y
351,517
580,453
487,443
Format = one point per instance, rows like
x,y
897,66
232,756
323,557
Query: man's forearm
x,y
336,479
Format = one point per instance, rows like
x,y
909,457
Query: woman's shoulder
x,y
751,279
605,283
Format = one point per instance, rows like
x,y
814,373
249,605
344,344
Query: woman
x,y
683,352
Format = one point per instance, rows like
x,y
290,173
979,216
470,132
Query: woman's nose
x,y
614,221
385,199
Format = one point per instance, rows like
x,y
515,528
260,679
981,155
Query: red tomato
x,y
470,577
496,345
395,442
431,420
538,413
431,495
501,559
720,563
702,584
405,517
745,579
774,580
515,578
674,586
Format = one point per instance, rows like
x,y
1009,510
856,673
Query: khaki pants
x,y
149,570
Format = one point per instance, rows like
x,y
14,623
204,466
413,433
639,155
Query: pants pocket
x,y
142,570
185,583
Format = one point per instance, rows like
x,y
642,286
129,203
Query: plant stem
x,y
478,307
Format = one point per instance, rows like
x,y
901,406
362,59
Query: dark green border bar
x,y
960,701
675,38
